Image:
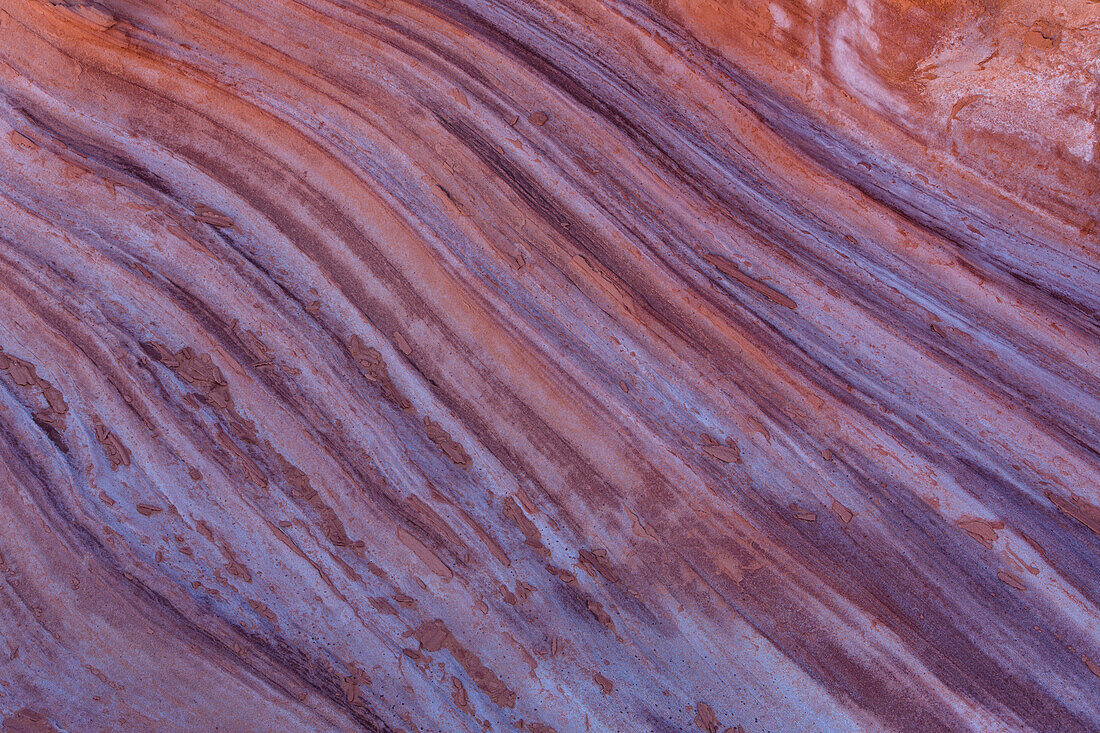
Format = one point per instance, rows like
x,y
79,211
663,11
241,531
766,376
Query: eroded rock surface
x,y
465,365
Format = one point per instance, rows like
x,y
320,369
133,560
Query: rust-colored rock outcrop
x,y
465,365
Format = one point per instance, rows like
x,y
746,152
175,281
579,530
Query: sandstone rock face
x,y
465,365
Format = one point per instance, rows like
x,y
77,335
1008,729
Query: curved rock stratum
x,y
553,366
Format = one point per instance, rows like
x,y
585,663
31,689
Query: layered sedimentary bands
x,y
493,365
